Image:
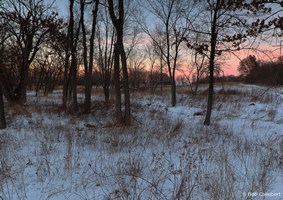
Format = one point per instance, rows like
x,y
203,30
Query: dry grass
x,y
19,109
229,92
159,157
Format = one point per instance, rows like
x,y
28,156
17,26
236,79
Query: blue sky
x,y
61,6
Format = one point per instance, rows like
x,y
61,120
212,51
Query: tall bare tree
x,y
71,59
88,55
66,38
119,54
105,39
226,25
167,33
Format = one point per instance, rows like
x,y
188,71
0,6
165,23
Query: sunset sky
x,y
269,50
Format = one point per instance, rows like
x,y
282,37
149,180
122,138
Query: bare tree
x,y
71,59
197,68
46,69
105,40
29,24
136,65
66,38
151,60
88,59
167,34
225,28
119,53
199,62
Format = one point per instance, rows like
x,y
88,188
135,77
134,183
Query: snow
x,y
47,153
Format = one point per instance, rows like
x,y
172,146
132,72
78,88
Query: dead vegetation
x,y
166,154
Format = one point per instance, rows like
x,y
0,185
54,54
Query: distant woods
x,y
261,72
125,45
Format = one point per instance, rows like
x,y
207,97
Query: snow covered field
x,y
47,153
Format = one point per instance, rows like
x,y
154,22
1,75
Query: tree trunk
x,y
120,53
88,66
21,90
88,87
118,100
210,96
127,116
2,111
161,75
74,66
66,77
197,82
5,82
39,81
87,76
74,82
67,55
173,91
211,67
106,84
66,80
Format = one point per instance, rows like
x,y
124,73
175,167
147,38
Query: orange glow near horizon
x,y
267,53
263,52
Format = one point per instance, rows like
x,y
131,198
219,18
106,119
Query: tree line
x,y
261,72
119,39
